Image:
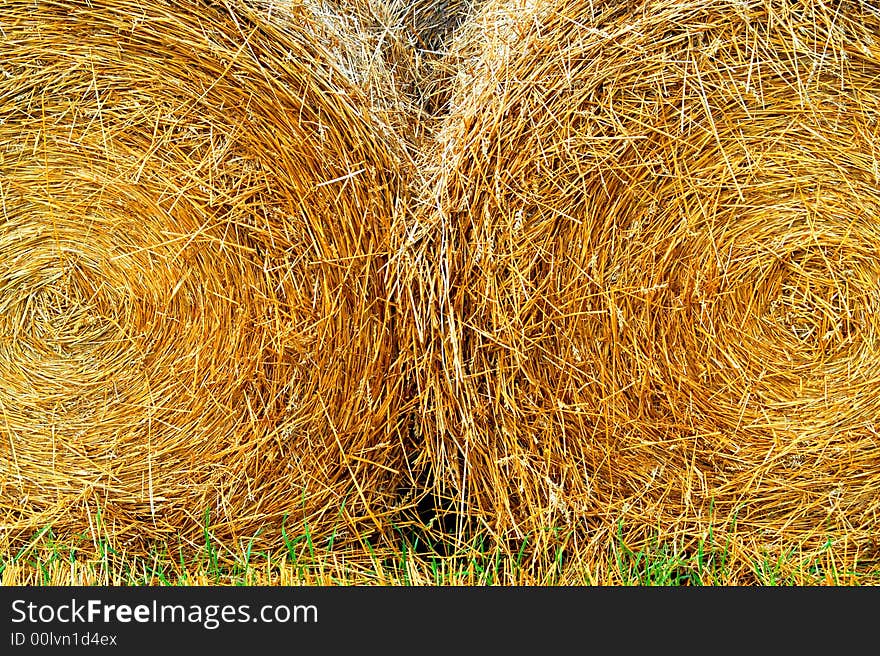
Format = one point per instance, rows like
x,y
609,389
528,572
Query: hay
x,y
644,277
366,42
432,24
195,208
429,28
409,42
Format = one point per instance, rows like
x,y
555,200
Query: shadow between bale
x,y
643,275
196,336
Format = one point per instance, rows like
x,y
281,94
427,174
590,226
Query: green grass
x,y
422,558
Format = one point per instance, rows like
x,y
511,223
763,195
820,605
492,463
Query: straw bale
x,y
193,318
644,274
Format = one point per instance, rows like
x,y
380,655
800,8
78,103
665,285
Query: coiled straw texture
x,y
194,334
645,273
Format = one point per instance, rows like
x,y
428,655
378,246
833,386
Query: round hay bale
x,y
193,314
645,274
